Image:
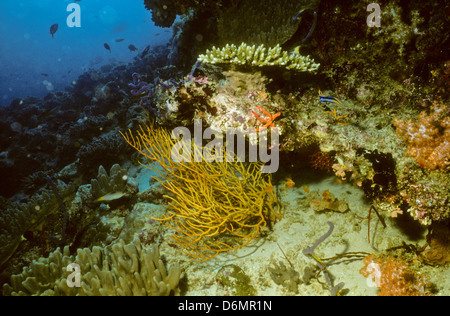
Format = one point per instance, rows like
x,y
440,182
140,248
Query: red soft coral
x,y
394,277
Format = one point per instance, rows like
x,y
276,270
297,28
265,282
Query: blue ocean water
x,y
33,63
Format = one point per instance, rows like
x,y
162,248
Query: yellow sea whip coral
x,y
215,206
429,139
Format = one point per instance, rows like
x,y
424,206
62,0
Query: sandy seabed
x,y
299,228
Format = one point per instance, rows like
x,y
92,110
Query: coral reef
x,y
258,56
428,139
116,182
106,149
372,74
394,277
19,218
121,269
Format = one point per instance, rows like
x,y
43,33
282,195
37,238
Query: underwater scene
x,y
225,148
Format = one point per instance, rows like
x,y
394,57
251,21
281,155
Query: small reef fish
x,y
119,40
288,184
110,197
48,112
53,29
328,98
132,48
107,47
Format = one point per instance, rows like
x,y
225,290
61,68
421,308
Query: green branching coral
x,y
258,56
120,269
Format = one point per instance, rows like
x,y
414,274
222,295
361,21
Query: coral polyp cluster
x,y
428,139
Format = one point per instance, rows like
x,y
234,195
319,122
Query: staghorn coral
x,y
394,277
428,139
215,206
121,269
258,56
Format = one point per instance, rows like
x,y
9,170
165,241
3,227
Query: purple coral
x,y
143,89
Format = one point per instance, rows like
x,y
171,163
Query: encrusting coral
x,y
215,206
428,139
121,269
258,56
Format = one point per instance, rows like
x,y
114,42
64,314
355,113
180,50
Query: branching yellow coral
x,y
215,206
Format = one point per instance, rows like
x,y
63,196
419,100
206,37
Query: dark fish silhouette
x,y
145,51
107,47
53,29
48,112
119,40
119,27
132,48
44,74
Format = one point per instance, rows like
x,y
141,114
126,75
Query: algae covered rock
x,y
235,281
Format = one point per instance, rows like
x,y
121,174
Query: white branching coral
x,y
258,56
